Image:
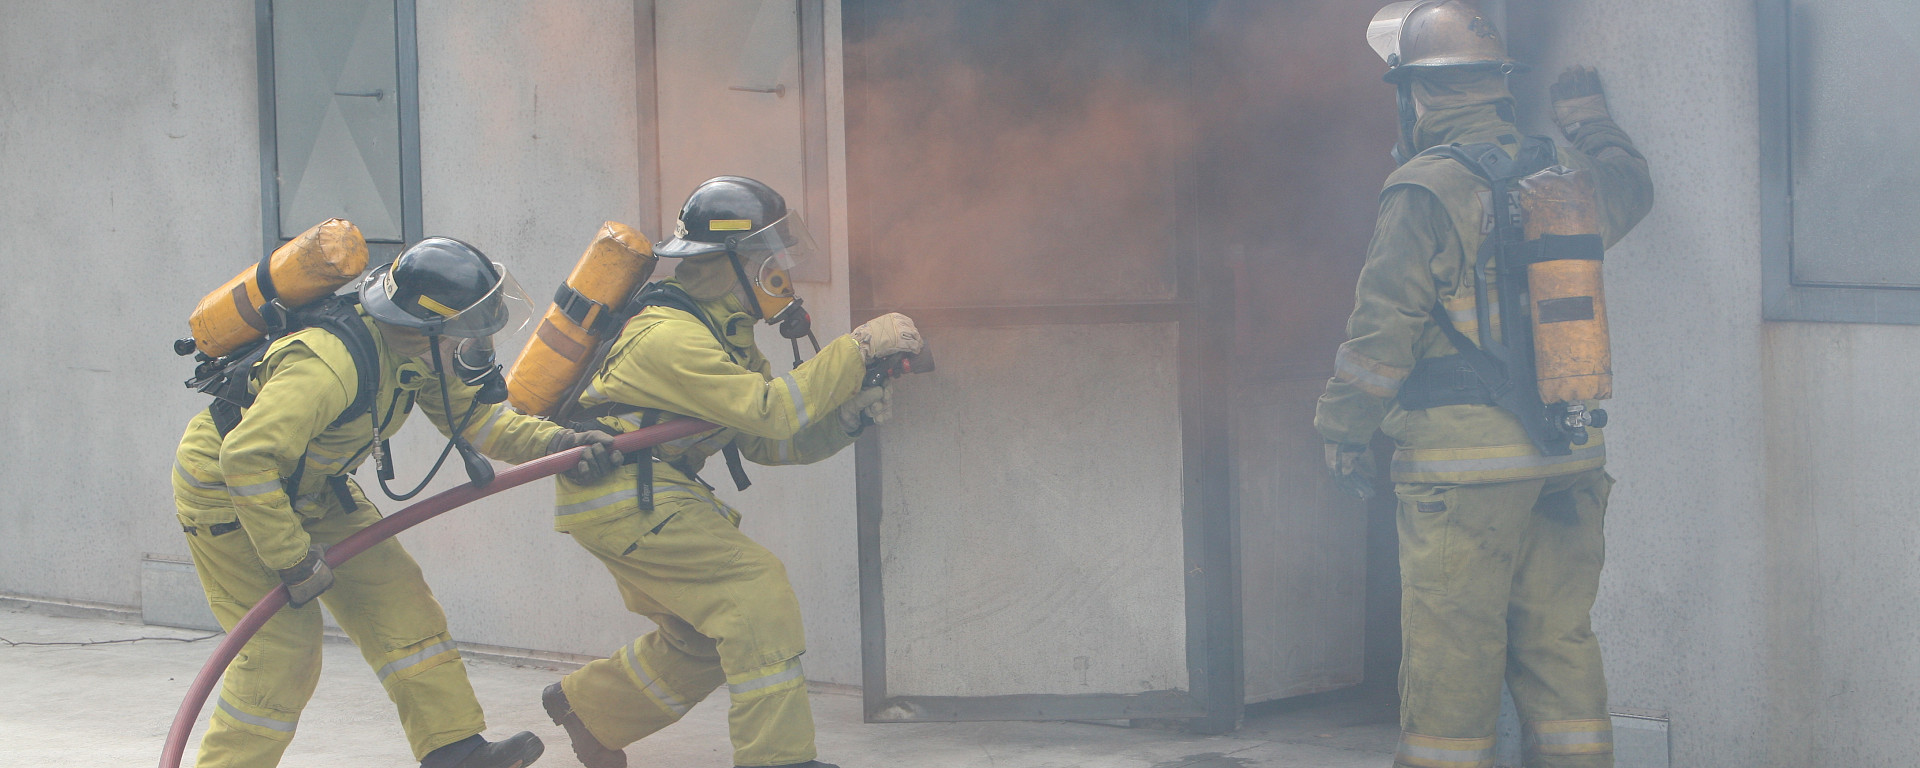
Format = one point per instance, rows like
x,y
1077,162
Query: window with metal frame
x,y
1839,234
339,119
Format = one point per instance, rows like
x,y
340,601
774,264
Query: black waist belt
x,y
1438,381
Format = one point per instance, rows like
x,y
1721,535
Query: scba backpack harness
x,y
653,295
1504,372
228,379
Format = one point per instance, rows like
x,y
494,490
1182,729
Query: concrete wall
x,y
132,180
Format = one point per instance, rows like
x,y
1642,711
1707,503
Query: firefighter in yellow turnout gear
x,y
260,503
725,611
1501,544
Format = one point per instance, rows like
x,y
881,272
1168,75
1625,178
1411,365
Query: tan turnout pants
x,y
1497,583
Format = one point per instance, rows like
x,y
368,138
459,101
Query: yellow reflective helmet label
x,y
437,307
730,225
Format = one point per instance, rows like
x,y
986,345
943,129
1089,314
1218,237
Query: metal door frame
x,y
1202,310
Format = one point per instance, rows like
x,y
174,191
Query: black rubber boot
x,y
516,751
591,752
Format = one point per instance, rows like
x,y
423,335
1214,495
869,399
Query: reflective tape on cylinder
x,y
1573,356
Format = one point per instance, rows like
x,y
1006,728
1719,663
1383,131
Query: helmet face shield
x,y
775,257
506,309
1383,33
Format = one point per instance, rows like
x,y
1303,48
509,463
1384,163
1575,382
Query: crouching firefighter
x,y
725,612
261,485
1478,343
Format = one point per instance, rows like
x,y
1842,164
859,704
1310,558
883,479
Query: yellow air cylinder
x,y
618,261
309,267
1572,355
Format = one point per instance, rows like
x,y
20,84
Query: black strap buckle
x,y
580,309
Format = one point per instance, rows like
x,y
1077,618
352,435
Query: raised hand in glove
x,y
873,403
596,463
1578,99
1351,466
307,578
889,334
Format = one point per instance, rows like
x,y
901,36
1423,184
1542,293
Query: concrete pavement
x,y
84,691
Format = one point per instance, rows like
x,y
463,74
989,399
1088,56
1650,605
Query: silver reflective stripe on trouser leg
x,y
1417,751
411,660
799,402
766,680
283,726
1570,737
636,670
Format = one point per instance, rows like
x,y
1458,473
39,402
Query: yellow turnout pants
x,y
1497,583
384,605
726,614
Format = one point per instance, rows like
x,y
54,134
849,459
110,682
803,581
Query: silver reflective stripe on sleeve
x,y
659,692
234,712
786,451
776,678
626,493
256,489
1468,316
400,664
799,403
181,470
1497,464
486,430
1355,367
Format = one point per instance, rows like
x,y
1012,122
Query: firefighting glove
x,y
596,463
1578,99
307,578
889,334
1351,466
873,405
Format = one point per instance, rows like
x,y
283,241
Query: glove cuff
x,y
303,570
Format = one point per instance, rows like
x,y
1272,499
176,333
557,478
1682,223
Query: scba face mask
x,y
769,261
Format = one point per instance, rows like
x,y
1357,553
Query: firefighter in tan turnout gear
x,y
261,488
725,612
1477,343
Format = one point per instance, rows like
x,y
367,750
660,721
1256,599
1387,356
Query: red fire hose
x,y
381,531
